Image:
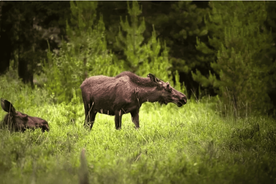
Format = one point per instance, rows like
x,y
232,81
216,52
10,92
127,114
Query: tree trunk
x,y
24,73
5,37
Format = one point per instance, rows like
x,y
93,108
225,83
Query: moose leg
x,y
135,118
86,113
92,119
89,114
118,119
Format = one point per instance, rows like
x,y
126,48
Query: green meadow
x,y
209,48
191,144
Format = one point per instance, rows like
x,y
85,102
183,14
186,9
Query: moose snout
x,y
183,100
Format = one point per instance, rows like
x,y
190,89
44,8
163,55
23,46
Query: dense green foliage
x,y
229,46
82,56
179,24
238,58
142,57
86,53
24,29
191,144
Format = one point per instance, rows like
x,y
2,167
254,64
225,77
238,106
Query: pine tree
x,y
179,23
239,41
132,42
83,55
142,58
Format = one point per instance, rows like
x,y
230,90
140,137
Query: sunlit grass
x,y
191,144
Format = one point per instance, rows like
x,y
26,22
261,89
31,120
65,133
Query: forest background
x,y
217,48
220,54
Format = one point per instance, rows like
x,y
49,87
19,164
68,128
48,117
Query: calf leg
x,y
135,118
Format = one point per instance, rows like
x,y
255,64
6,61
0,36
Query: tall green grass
x,y
191,144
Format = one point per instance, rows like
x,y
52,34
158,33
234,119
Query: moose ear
x,y
153,78
7,106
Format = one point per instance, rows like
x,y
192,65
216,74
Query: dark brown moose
x,y
125,93
18,121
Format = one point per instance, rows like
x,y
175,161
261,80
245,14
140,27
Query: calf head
x,y
166,93
18,121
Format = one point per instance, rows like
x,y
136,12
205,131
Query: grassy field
x,y
191,144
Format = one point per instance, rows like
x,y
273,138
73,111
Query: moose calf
x,y
18,121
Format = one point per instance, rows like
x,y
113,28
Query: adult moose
x,y
18,121
125,93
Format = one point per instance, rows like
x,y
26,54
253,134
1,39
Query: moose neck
x,y
148,94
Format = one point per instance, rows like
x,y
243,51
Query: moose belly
x,y
105,111
124,109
